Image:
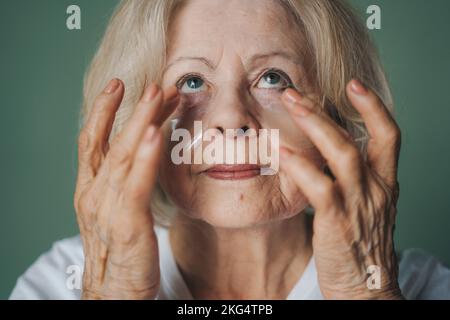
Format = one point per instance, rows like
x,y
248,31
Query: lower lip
x,y
233,175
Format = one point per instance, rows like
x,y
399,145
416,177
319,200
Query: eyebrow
x,y
251,62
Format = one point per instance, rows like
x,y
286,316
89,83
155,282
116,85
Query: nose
x,y
230,110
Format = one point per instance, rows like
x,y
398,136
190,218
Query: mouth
x,y
233,172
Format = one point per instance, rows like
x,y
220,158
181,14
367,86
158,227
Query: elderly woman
x,y
320,227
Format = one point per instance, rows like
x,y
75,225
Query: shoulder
x,y
422,276
56,274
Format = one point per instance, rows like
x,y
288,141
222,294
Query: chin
x,y
241,203
234,212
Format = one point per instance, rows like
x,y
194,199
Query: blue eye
x,y
191,84
274,80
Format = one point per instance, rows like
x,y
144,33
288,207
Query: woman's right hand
x,y
113,193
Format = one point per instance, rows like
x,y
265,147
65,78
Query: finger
x,y
119,161
171,101
318,188
385,137
154,108
161,113
342,155
93,138
142,177
125,143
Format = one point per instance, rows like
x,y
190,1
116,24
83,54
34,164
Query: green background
x,y
42,67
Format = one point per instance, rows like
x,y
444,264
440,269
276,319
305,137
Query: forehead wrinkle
x,y
249,64
203,60
257,59
266,11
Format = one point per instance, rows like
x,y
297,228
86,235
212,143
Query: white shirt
x,y
57,275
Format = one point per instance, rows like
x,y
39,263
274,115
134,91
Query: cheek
x,y
269,100
192,107
273,115
290,190
284,195
177,185
174,179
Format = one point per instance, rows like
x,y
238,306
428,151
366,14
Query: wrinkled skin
x,y
354,213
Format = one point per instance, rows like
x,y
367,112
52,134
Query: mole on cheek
x,y
241,197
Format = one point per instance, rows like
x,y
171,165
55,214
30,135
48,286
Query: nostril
x,y
220,129
242,130
245,128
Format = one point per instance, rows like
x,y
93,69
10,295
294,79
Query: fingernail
x,y
358,87
292,96
294,102
112,86
285,153
150,92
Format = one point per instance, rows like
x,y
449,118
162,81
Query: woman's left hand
x,y
355,212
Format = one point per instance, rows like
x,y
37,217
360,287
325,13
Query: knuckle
x,y
99,103
393,135
122,235
76,201
350,155
83,206
90,153
85,141
120,155
381,199
325,190
86,205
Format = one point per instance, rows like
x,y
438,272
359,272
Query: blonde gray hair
x,y
134,46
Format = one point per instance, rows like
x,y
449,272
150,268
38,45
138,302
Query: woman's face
x,y
231,61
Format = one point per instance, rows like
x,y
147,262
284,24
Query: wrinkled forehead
x,y
246,27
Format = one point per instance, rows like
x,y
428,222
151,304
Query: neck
x,y
262,262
